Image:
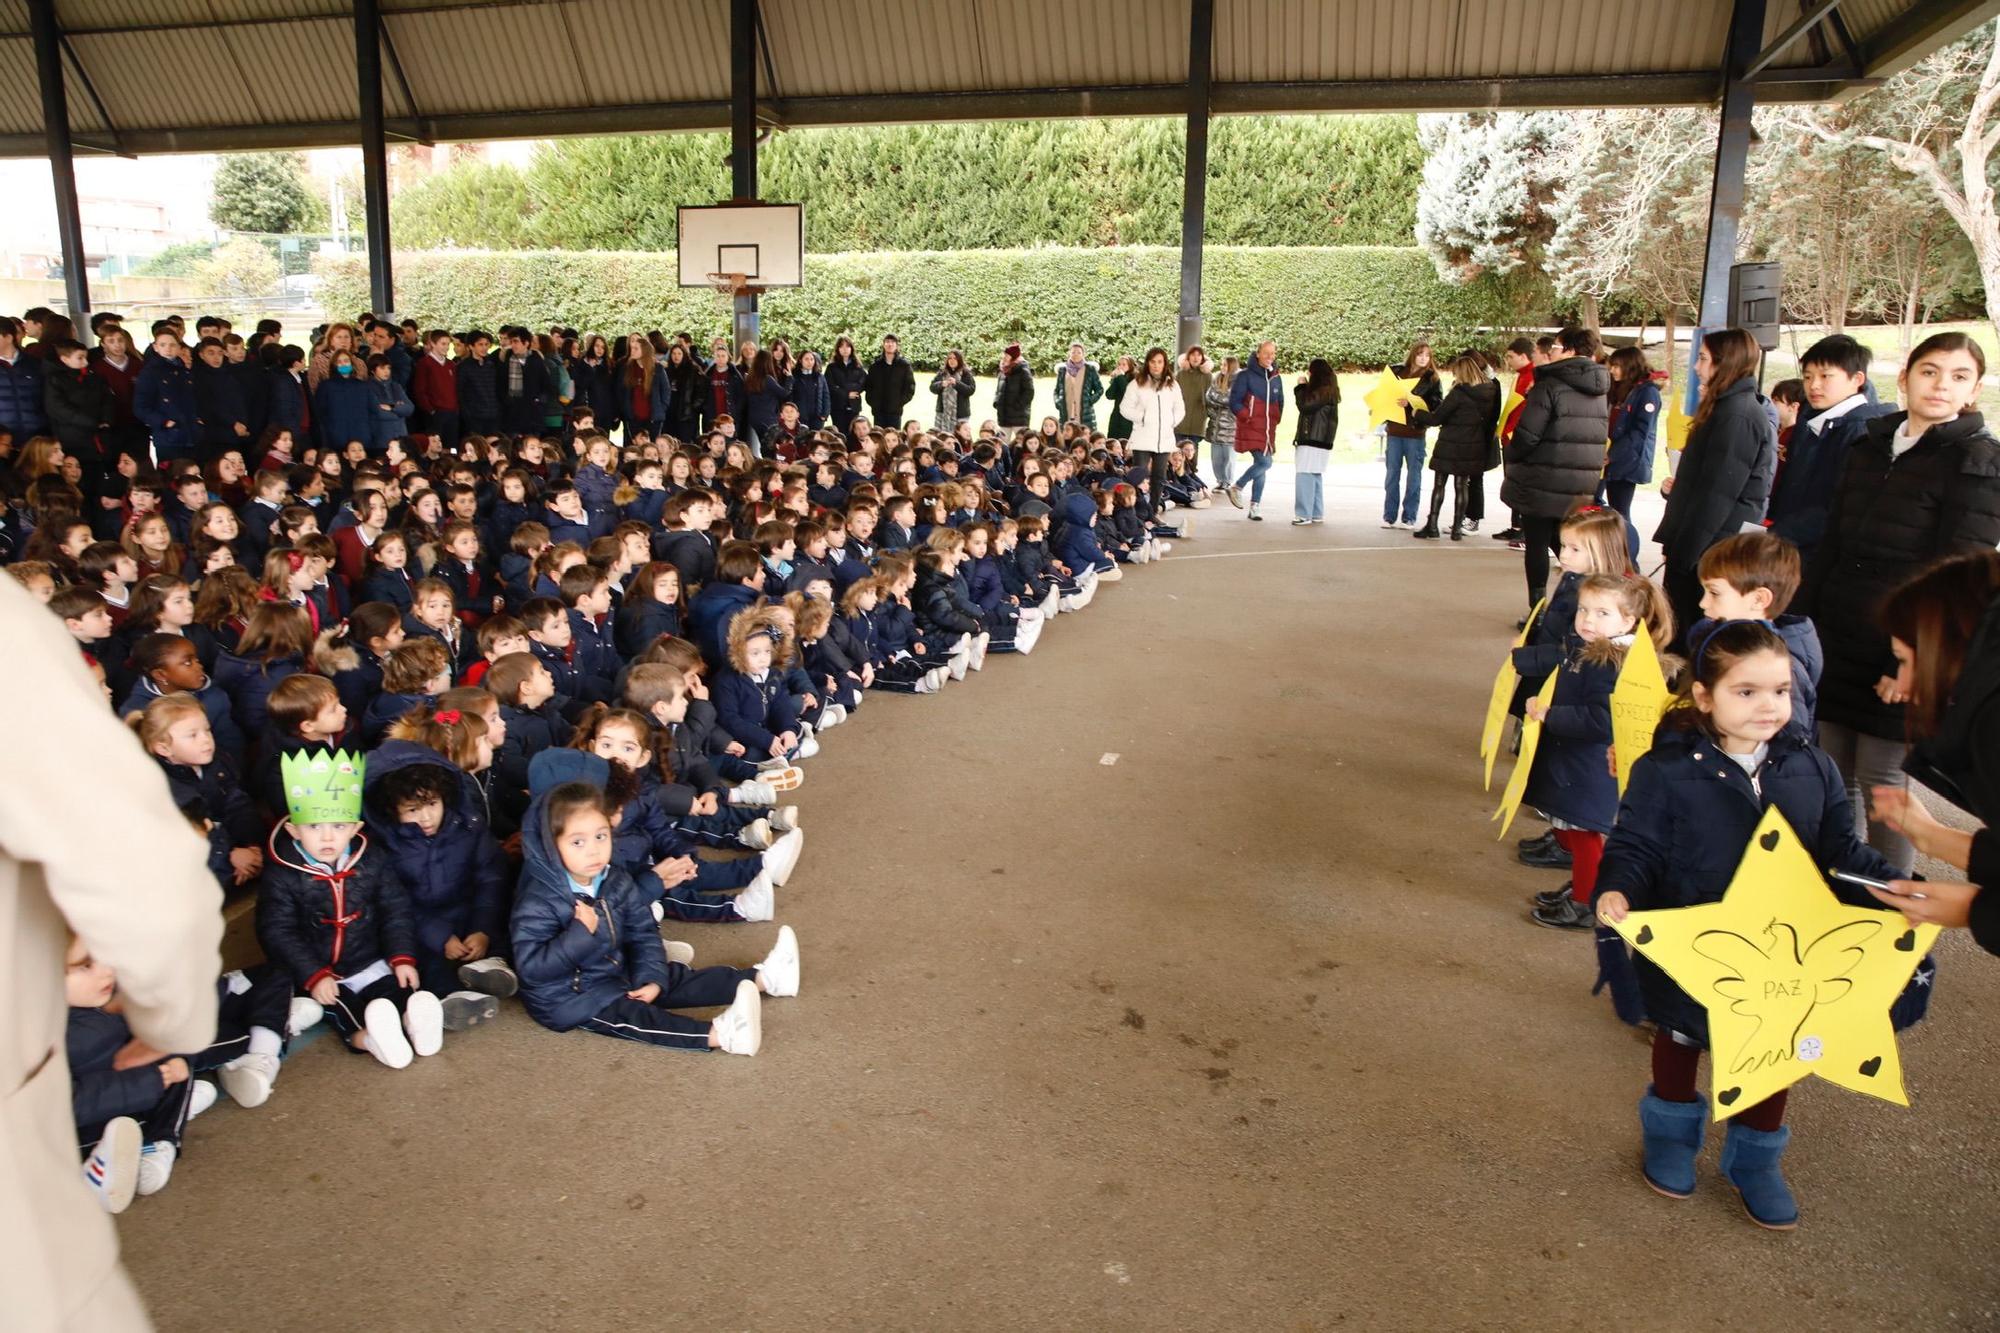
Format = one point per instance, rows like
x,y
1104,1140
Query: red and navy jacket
x,y
316,922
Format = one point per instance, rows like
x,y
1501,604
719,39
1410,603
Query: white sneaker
x,y
1027,615
978,662
758,901
156,1166
924,685
784,818
739,1029
463,1009
784,776
808,747
1164,549
936,677
490,976
1115,574
1390,525
305,1012
1053,602
423,1019
756,835
958,665
386,1041
780,968
782,857
1026,634
1073,603
832,716
659,911
203,1094
679,952
112,1169
248,1079
753,793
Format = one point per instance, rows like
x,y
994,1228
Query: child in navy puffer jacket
x,y
590,953
1695,800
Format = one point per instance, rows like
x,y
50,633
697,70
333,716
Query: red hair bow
x,y
450,717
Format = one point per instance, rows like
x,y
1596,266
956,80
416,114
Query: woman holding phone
x,y
1944,628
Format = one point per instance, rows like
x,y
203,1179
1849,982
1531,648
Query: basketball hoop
x,y
729,284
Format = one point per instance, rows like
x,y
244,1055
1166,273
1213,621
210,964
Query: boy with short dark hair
x,y
1835,416
586,591
1754,576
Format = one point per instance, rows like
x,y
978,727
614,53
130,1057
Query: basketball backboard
x,y
763,242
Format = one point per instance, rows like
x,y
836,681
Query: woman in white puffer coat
x,y
1153,404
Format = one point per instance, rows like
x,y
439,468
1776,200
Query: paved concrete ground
x,y
1247,1027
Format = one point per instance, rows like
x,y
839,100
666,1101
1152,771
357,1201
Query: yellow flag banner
x,y
1503,694
1796,982
1389,399
1531,737
1638,701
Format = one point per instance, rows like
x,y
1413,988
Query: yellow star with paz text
x,y
1637,703
1388,400
1795,981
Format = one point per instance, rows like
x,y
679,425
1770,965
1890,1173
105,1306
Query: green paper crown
x,y
323,787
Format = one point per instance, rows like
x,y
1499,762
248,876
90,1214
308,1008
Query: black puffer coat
x,y
1724,479
1557,449
1962,762
1466,421
1890,518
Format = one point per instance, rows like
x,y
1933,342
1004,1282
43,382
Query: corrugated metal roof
x,y
219,74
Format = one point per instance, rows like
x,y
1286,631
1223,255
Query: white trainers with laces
x,y
739,1029
753,793
756,835
784,818
156,1166
782,857
248,1079
679,951
758,901
386,1040
304,1013
423,1019
978,662
112,1169
780,968
200,1097
490,976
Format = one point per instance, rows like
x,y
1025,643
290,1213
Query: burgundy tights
x,y
1673,1081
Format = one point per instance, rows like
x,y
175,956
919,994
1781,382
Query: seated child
x,y
830,661
496,637
534,721
434,616
132,1103
652,607
338,921
1075,543
586,593
304,713
168,664
427,816
174,729
898,674
750,696
353,656
943,612
415,673
550,638
590,954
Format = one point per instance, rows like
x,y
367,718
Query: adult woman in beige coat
x,y
90,841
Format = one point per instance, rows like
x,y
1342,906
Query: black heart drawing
x,y
1769,842
1645,935
1870,1065
1728,1096
1907,941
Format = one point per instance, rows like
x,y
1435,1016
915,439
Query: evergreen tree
x,y
264,192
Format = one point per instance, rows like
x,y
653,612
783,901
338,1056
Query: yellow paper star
x,y
1388,400
1795,981
1531,739
1507,406
1502,696
1637,703
1679,423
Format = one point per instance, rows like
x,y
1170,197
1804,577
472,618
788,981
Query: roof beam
x,y
1919,30
1693,88
1807,22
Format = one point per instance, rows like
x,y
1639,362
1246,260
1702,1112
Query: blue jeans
x,y
1220,462
1253,476
1403,453
1308,496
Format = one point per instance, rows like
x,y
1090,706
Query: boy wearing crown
x,y
338,920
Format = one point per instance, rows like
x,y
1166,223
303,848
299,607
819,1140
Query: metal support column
x,y
374,153
743,135
1732,152
1194,188
62,165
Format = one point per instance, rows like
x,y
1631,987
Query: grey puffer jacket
x,y
1557,449
1221,421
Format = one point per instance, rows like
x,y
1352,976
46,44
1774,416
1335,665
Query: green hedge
x,y
1356,305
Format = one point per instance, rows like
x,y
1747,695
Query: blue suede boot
x,y
1750,1163
1673,1132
